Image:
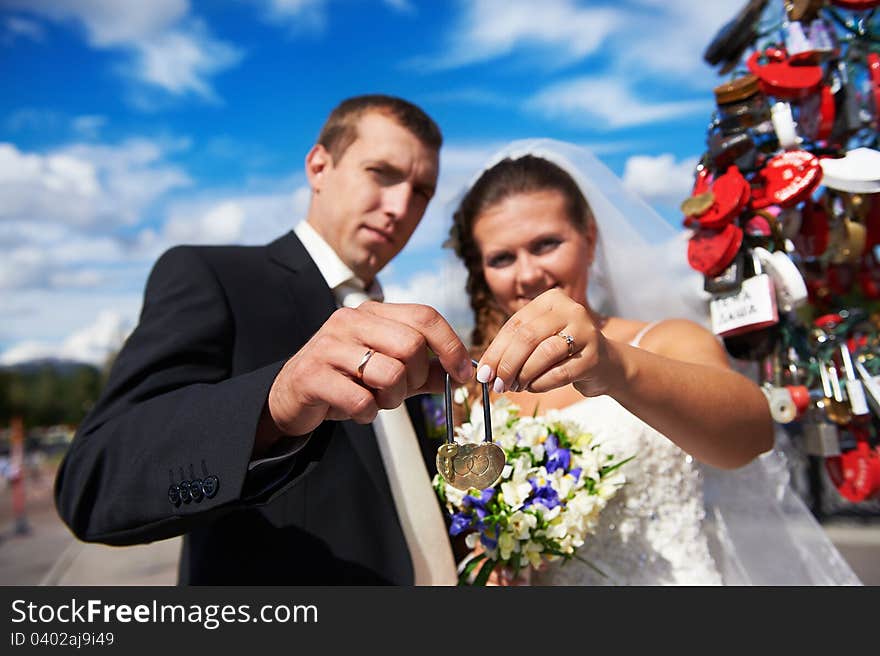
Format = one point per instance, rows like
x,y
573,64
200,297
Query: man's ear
x,y
318,161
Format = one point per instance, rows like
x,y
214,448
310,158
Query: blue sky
x,y
128,126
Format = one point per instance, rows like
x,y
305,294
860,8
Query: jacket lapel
x,y
314,303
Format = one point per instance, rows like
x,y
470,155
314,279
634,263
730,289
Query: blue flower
x,y
488,542
435,412
543,494
470,501
460,523
576,472
557,458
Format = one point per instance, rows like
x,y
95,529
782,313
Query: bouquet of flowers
x,y
553,487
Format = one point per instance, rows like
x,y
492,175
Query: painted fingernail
x,y
498,386
484,373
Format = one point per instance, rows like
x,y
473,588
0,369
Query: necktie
x,y
417,509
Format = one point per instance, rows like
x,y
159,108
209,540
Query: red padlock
x,y
856,473
711,251
800,395
814,235
872,221
786,179
828,321
731,192
827,112
780,79
856,5
873,60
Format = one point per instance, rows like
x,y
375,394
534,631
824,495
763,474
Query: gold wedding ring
x,y
363,363
569,342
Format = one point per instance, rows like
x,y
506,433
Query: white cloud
x,y
300,15
229,219
672,35
219,225
88,126
442,289
181,61
607,103
402,6
660,179
488,29
15,26
31,118
92,343
169,49
86,185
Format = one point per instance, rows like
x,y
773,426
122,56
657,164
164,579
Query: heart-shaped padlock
x,y
730,194
712,251
466,466
856,472
786,179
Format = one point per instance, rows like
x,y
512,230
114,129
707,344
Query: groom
x,y
238,413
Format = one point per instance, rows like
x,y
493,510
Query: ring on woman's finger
x,y
569,342
363,363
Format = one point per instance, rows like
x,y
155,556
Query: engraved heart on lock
x,y
467,466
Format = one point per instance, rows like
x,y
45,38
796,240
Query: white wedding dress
x,y
651,532
676,522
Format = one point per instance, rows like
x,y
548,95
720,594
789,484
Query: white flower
x,y
515,494
522,524
460,395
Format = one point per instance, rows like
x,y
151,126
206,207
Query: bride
x,y
582,304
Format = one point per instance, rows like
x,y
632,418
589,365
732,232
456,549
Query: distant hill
x,y
61,367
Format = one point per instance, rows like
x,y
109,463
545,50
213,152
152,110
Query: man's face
x,y
367,204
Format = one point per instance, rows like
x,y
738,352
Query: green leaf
x,y
469,567
607,470
485,572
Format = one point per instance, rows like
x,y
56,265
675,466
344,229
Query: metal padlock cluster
x,y
784,217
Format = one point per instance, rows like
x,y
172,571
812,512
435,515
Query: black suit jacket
x,y
182,404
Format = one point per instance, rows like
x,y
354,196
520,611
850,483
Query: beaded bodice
x,y
651,532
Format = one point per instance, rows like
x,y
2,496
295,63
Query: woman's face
x,y
529,245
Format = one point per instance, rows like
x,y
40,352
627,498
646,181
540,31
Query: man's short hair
x,y
340,129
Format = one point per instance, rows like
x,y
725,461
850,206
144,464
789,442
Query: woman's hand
x,y
551,342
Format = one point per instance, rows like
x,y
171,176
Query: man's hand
x,y
322,380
